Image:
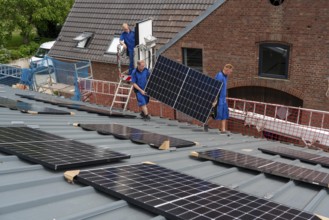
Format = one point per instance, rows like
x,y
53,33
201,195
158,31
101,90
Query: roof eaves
x,y
189,27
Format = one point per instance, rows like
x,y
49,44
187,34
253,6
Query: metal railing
x,y
308,125
10,70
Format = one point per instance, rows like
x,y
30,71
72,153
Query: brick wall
x,y
233,32
106,71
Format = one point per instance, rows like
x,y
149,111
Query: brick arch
x,y
277,84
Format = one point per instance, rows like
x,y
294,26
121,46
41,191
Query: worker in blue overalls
x,y
127,39
222,113
139,78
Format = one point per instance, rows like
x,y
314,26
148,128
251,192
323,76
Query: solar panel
x,y
64,154
98,111
296,154
25,134
178,196
53,151
49,100
30,108
183,88
35,109
267,166
137,135
8,103
79,107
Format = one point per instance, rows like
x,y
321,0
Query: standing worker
x,y
139,78
127,39
222,107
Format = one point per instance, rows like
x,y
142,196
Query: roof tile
x,y
104,19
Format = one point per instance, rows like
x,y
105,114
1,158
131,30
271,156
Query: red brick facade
x,y
233,32
106,71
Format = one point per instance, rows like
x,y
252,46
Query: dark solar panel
x,y
35,109
267,166
30,108
178,196
137,135
297,154
25,134
49,100
183,88
63,154
53,151
98,111
8,103
79,107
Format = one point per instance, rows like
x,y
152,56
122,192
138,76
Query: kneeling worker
x,y
139,78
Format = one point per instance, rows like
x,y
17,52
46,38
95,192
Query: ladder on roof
x,y
122,92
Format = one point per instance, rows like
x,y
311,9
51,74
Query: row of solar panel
x,y
53,151
137,135
178,196
296,154
29,108
267,166
79,107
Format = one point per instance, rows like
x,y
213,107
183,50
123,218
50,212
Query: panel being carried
x,y
53,151
137,135
183,88
266,166
178,196
297,154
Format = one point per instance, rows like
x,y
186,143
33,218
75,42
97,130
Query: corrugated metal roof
x,y
105,17
29,191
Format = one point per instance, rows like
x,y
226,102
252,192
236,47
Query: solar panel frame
x,y
267,166
295,154
137,135
178,196
183,88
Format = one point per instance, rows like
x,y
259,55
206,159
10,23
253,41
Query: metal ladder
x,y
122,93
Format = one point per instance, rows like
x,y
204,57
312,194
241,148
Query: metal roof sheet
x,y
29,191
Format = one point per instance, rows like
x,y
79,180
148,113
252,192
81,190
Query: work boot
x,y
147,118
142,114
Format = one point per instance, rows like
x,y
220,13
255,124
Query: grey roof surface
x,y
105,17
29,191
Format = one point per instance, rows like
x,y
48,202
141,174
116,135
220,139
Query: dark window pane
x,y
193,58
273,60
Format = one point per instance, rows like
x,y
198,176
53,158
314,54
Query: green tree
x,y
50,18
29,14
